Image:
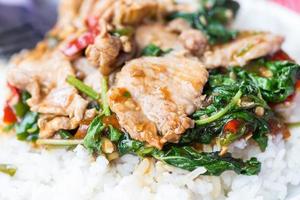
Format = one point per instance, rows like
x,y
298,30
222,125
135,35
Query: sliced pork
x,y
187,41
44,77
157,34
153,97
239,52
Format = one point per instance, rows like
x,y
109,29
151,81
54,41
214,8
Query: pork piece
x,y
157,34
104,52
194,41
126,12
130,12
44,78
246,47
156,94
190,41
90,75
178,25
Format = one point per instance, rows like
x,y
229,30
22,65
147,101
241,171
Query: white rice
x,y
72,175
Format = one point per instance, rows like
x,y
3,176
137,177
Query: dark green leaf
x,y
94,104
27,129
153,50
257,91
212,19
114,134
189,159
64,134
92,140
280,85
21,108
127,145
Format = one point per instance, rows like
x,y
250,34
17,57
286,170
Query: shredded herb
x,y
78,84
8,169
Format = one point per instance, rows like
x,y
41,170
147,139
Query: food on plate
x,y
155,79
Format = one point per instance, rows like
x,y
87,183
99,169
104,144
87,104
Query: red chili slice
x,y
297,86
92,23
280,56
79,44
232,126
9,116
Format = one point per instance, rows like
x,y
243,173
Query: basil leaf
x,y
187,158
114,134
27,129
92,140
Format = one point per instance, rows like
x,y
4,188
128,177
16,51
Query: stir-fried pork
x,y
131,12
194,41
243,49
189,40
44,78
91,75
157,94
104,52
178,25
157,34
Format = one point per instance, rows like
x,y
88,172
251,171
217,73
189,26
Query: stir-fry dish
x,y
152,78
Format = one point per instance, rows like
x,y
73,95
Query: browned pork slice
x,y
157,34
130,12
104,52
239,52
44,77
156,94
167,37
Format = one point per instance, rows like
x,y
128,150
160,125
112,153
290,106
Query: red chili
x,y
280,56
79,44
9,116
297,85
232,126
92,23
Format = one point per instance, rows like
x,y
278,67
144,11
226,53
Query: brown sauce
x,y
112,120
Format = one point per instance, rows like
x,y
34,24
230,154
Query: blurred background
x,y
24,22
